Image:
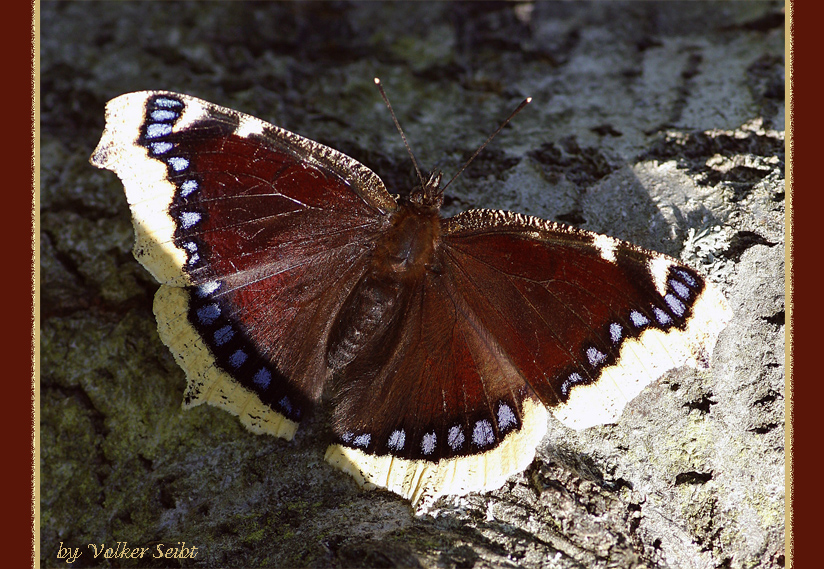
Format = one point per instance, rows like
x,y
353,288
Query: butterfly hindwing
x,y
434,408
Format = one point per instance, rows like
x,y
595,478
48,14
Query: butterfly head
x,y
429,193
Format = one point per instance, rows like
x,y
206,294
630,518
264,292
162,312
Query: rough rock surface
x,y
660,123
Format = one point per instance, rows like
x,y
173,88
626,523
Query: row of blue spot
x,y
207,315
483,434
685,288
162,112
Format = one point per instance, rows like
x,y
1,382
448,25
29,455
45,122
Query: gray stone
x,y
661,123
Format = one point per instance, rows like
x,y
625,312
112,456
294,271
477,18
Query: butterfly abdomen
x,y
364,315
400,258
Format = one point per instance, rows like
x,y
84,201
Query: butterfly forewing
x,y
265,228
578,312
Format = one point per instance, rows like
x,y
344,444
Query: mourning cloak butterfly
x,y
289,271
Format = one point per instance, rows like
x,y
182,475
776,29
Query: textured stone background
x,y
661,123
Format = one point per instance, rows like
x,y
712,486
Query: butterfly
x,y
289,273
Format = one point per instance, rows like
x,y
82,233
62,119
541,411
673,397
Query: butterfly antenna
x,y
488,140
400,130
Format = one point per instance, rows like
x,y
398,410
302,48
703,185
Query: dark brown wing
x,y
261,229
515,315
587,319
433,406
